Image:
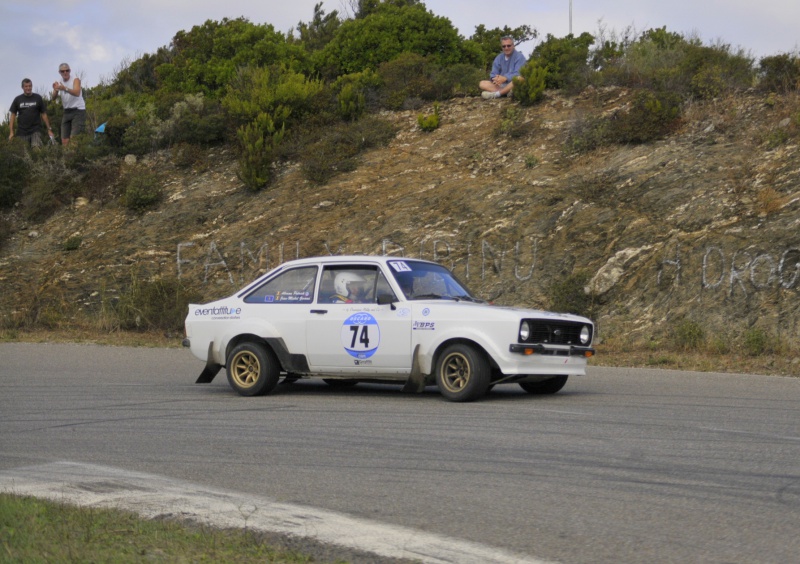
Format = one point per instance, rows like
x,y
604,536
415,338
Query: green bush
x,y
430,122
51,186
285,95
154,304
652,115
337,148
72,243
587,134
779,73
116,126
569,295
565,60
687,335
406,77
259,142
195,119
185,155
142,191
529,86
352,102
387,31
756,342
207,58
708,83
14,172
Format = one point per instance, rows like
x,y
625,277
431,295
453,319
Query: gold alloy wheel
x,y
245,368
456,372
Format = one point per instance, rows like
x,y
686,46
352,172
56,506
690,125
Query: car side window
x,y
295,286
347,284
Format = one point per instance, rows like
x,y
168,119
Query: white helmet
x,y
343,279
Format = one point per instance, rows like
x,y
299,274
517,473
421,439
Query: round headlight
x,y
585,335
524,331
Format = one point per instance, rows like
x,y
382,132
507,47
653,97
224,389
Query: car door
x,y
358,338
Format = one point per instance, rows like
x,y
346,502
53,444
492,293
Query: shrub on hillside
x,y
385,32
14,172
154,304
352,102
569,295
259,142
429,122
142,191
285,95
779,73
651,116
687,335
565,60
339,146
195,119
51,186
587,134
669,62
408,76
529,86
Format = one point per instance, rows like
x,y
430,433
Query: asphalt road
x,y
622,466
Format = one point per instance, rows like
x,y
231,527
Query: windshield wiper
x,y
469,299
433,297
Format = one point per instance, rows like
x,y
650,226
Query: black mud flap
x,y
211,369
416,380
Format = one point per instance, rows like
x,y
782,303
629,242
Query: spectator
x,y
30,110
69,89
504,68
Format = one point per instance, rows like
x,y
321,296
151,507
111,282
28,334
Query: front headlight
x,y
524,331
586,335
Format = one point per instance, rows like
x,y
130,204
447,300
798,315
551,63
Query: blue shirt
x,y
507,68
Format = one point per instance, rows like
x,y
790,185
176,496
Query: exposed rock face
x,y
701,225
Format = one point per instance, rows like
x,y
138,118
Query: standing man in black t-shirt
x,y
31,110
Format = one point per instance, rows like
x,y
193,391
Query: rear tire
x,y
252,369
550,386
462,373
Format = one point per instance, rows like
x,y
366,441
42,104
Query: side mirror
x,y
384,299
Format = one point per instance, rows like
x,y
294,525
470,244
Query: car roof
x,y
341,259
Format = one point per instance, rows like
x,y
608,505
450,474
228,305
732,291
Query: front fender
x,y
428,348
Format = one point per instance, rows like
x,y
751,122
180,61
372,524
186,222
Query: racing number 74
x,y
364,339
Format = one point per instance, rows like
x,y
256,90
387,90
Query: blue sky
x,y
96,36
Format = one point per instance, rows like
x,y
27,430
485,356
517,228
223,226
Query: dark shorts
x,y
72,123
34,139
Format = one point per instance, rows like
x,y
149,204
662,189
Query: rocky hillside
x,y
700,226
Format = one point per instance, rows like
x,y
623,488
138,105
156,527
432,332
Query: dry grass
x,y
698,361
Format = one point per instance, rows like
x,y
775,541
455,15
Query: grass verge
x,y
36,530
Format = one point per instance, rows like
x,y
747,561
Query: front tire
x,y
550,386
462,373
252,369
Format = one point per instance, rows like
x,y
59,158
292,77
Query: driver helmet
x,y
343,280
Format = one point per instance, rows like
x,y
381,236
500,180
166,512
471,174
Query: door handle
x,y
319,311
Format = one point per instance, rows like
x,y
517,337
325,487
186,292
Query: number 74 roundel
x,y
361,335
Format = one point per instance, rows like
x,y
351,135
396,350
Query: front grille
x,y
556,332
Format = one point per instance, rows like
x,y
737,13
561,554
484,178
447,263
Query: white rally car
x,y
350,319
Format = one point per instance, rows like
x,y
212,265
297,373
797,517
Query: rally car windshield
x,y
426,281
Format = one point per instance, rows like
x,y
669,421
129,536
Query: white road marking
x,y
151,496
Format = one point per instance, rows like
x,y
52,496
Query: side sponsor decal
x,y
361,335
424,326
219,312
